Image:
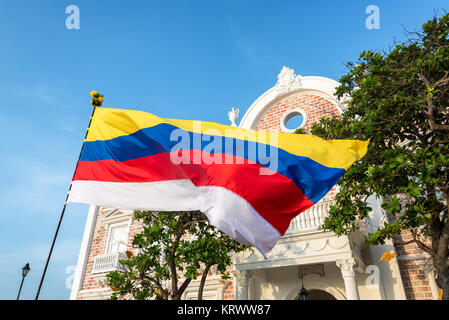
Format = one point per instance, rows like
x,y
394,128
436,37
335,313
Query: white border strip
x,y
173,195
226,210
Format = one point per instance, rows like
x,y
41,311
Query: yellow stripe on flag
x,y
109,123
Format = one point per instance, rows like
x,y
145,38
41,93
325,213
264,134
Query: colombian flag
x,y
250,184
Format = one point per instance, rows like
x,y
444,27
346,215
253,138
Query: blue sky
x,y
177,59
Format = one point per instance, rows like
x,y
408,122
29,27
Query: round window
x,y
292,120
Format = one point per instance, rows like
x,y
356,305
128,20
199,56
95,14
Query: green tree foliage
x,y
400,101
172,248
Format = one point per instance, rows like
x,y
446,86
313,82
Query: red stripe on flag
x,y
275,197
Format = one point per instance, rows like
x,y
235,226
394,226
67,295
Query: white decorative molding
x,y
290,114
287,81
302,248
233,116
346,266
298,249
95,294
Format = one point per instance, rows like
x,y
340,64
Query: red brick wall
x,y
410,259
229,291
98,247
314,106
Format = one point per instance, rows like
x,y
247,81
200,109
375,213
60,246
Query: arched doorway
x,y
316,294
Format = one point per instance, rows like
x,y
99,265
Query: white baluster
x,y
295,224
315,217
319,209
309,219
301,221
306,214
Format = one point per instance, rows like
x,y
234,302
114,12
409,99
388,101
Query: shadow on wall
x,y
388,281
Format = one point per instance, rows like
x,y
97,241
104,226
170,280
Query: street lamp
x,y
25,271
303,293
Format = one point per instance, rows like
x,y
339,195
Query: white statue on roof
x,y
287,81
233,116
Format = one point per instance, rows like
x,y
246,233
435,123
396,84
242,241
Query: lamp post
x,y
25,271
303,294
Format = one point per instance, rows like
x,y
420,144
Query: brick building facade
x,y
331,267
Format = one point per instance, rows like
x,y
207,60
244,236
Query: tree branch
x,y
157,283
423,246
183,287
431,118
203,281
172,263
444,236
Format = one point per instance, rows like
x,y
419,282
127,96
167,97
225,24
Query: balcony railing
x,y
108,262
310,219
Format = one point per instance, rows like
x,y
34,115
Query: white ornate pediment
x,y
287,81
111,215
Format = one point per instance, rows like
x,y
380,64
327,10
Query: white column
x,y
243,285
348,273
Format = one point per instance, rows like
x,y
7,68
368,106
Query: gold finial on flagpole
x,y
97,99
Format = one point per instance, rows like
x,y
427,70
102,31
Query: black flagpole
x,y
63,209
